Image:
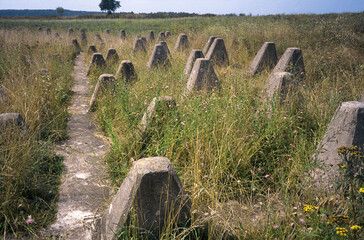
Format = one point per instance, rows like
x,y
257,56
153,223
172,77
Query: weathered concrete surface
x,y
9,120
161,37
97,37
153,191
159,57
127,71
292,62
111,56
97,61
208,44
265,58
167,34
76,46
48,31
83,37
122,34
155,104
91,50
70,32
182,43
191,61
139,46
217,53
83,183
165,46
106,81
345,129
279,84
202,76
150,36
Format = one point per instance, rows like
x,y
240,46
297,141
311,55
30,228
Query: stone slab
x,y
265,58
152,195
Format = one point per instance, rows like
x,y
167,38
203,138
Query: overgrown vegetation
x,y
35,78
243,164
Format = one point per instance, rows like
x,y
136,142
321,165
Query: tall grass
x,y
243,163
35,77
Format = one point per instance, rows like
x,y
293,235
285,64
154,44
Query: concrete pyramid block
x,y
91,49
11,120
161,37
97,61
292,62
126,71
150,36
70,32
106,81
182,43
122,34
76,46
151,195
208,44
191,61
361,99
2,95
159,57
98,38
345,129
139,46
168,34
48,31
217,53
112,56
279,84
266,57
106,32
202,76
165,46
83,38
157,103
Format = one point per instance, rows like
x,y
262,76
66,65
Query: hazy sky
x,y
199,6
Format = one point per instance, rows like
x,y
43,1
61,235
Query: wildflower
x,y
275,227
317,170
30,220
299,117
291,224
205,176
301,220
355,228
339,218
341,231
166,87
309,208
361,190
343,166
284,118
183,123
267,176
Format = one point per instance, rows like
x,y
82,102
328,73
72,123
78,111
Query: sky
x,y
255,7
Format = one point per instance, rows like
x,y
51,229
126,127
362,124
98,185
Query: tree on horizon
x,y
60,11
109,5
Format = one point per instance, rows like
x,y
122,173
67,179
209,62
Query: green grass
x,y
29,168
238,158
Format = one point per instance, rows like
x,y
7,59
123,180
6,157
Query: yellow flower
x,y
355,228
341,231
361,190
343,166
309,208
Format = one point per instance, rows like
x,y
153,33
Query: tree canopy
x,y
109,5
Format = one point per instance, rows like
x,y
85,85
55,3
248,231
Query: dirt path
x,y
83,188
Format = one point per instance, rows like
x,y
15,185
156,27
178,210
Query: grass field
x,y
244,164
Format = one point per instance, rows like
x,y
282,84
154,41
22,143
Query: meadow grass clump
x,y
244,161
35,75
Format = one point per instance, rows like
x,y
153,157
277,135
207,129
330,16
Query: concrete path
x,y
83,187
